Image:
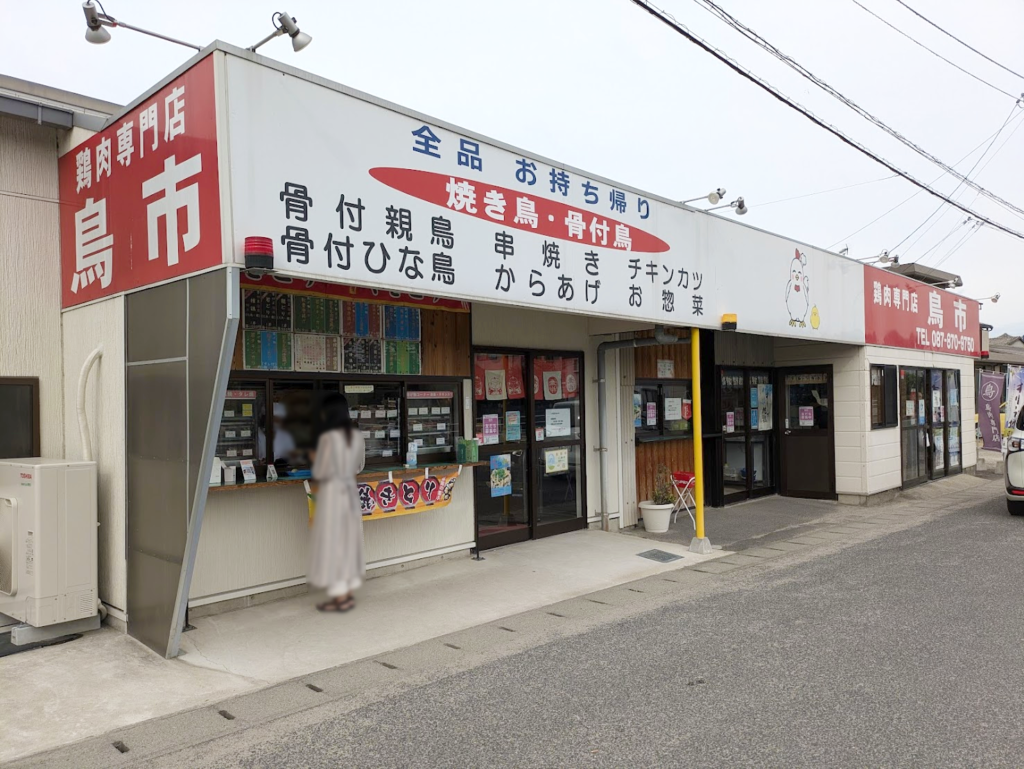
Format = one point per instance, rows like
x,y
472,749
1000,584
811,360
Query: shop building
x,y
466,297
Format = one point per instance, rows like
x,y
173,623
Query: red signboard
x,y
140,201
900,312
354,293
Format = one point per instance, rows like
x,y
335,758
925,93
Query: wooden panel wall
x,y
646,358
446,344
675,455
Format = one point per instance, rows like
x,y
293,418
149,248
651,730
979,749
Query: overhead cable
x,y
965,45
675,25
754,37
894,28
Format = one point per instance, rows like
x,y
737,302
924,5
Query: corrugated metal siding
x,y
627,446
30,331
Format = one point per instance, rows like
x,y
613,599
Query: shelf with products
x,y
432,420
376,409
239,437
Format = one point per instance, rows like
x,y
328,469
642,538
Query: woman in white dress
x,y
336,549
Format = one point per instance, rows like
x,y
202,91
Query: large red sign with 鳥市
x,y
900,312
140,200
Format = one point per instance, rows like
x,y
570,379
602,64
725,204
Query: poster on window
x,y
490,429
652,414
556,461
494,383
513,428
765,406
673,409
553,385
638,408
666,368
501,475
557,423
806,415
730,422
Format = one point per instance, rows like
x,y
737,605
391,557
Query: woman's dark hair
x,y
335,415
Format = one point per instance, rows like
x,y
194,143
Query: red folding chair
x,y
683,483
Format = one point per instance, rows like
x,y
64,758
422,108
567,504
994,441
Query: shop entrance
x,y
929,424
532,485
746,399
808,434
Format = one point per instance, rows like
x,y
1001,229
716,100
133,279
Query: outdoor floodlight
x,y
286,25
711,197
737,205
882,258
96,22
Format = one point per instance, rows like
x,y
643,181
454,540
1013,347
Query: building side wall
x,y
30,321
85,328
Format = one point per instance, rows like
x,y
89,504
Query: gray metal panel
x,y
217,379
156,432
207,313
156,323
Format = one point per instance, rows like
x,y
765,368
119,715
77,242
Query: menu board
x,y
402,357
361,319
267,350
310,351
401,323
332,353
362,356
268,310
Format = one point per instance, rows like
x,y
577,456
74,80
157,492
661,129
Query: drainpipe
x,y
661,336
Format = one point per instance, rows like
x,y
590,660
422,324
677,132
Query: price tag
x,y
246,433
440,441
419,441
380,414
365,414
442,425
229,433
386,453
418,427
366,433
396,433
246,452
380,434
229,414
392,413
353,413
446,410
232,452
435,410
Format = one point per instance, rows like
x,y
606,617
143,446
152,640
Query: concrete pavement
x,y
885,636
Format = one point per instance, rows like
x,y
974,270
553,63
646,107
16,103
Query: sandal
x,y
334,605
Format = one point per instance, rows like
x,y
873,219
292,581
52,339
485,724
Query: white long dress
x,y
336,559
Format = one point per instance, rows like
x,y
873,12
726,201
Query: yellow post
x,y
700,542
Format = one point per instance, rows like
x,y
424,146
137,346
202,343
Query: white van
x,y
1013,468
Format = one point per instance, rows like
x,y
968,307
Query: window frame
x,y
889,397
33,384
647,434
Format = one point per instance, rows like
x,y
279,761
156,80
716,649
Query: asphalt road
x,y
901,651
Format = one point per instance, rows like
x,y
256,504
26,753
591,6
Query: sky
x,y
603,86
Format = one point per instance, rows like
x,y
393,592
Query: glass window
x,y
677,408
733,402
294,424
662,409
19,418
376,409
884,397
556,395
645,410
500,395
501,506
432,422
807,406
243,423
559,497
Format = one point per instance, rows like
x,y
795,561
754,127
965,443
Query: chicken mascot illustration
x,y
798,300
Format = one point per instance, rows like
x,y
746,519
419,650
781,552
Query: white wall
x,y
884,469
83,329
30,333
849,407
255,539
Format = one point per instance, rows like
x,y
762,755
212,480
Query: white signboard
x,y
357,193
557,422
777,287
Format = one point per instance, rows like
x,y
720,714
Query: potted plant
x,y
657,511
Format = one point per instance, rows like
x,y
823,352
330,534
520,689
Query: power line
x,y
975,228
778,95
823,192
933,52
754,37
933,181
981,157
965,45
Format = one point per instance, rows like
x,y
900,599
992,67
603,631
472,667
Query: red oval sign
x,y
518,210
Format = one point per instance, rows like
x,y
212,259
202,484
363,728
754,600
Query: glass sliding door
x,y
734,439
953,436
748,432
914,438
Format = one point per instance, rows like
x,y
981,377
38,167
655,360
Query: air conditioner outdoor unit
x,y
48,547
